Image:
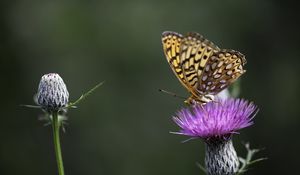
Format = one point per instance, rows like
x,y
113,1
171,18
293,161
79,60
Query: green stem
x,y
56,126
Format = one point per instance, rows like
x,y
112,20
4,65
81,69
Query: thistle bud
x,y
52,93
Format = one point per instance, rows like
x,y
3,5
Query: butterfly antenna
x,y
171,93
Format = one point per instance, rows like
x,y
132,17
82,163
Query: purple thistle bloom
x,y
215,119
215,122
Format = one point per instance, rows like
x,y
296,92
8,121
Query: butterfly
x,y
202,67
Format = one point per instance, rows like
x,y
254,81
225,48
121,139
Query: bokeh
x,y
123,128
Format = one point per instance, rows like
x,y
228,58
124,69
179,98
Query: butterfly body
x,y
202,99
202,67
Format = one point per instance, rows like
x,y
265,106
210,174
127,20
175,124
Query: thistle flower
x,y
53,97
215,123
52,93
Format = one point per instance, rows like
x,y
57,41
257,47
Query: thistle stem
x,y
55,127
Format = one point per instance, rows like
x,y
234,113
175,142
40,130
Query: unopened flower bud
x,y
52,93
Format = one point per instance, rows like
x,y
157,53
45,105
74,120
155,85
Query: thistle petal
x,y
215,118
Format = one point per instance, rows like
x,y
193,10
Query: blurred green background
x,y
123,129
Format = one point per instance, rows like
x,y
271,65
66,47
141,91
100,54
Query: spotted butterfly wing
x,y
171,45
221,70
201,66
195,52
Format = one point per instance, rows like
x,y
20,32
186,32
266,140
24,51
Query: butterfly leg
x,y
192,102
204,110
216,101
219,102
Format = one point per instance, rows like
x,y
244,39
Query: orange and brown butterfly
x,y
202,67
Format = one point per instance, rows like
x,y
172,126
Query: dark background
x,y
123,128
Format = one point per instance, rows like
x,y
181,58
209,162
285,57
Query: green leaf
x,y
201,167
31,106
82,97
248,161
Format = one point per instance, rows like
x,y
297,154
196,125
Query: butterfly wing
x,y
195,52
221,70
201,66
171,45
203,40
